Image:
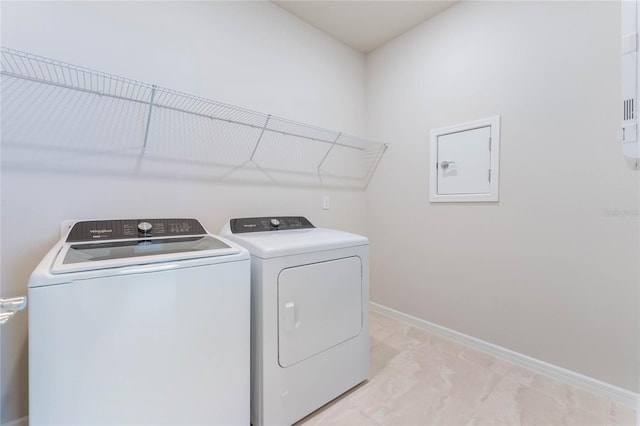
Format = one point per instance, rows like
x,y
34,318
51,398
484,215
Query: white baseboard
x,y
623,396
22,421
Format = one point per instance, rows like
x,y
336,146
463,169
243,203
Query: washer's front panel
x,y
161,348
320,306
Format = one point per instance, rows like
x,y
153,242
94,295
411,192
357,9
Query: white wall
x,y
547,271
251,54
550,271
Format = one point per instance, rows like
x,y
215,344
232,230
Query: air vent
x,y
629,109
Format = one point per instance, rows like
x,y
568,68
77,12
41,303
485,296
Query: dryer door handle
x,y
290,316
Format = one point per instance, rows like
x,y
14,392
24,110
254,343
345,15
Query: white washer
x,y
310,320
140,322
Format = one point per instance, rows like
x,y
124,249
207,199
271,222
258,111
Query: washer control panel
x,y
120,229
269,223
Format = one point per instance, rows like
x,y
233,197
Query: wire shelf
x,y
56,114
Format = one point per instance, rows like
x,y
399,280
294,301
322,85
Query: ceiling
x,y
364,25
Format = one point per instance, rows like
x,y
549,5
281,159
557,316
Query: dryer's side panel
x,y
259,329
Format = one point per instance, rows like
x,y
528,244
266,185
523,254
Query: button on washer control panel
x,y
144,227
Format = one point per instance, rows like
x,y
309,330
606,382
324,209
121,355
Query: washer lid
x,y
286,243
115,253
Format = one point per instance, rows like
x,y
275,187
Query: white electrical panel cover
x,y
465,162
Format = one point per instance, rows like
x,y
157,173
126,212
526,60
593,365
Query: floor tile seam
x,y
438,390
412,343
493,389
582,407
604,414
604,419
459,354
442,362
570,387
488,367
407,391
401,351
399,370
383,337
590,385
511,363
565,409
371,421
614,416
401,373
518,409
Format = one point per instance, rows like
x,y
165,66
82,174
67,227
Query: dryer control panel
x,y
133,228
269,223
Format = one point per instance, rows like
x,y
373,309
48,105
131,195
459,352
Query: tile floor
x,y
419,378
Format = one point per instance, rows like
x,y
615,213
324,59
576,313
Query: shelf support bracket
x,y
333,144
255,148
146,131
373,168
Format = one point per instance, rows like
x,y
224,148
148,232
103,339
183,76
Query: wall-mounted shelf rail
x,y
56,113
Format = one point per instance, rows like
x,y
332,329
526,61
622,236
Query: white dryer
x,y
310,321
140,322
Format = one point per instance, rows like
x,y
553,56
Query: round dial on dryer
x,y
275,223
144,227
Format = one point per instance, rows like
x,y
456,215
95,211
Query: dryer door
x,y
320,306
